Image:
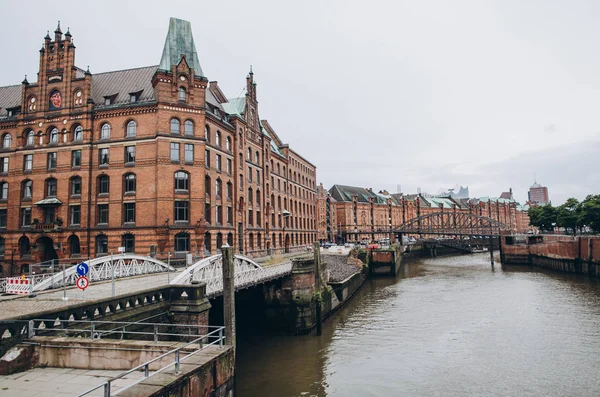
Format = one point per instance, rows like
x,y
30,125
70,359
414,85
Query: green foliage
x,y
590,212
572,215
543,217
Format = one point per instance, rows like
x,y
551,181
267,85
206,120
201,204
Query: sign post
x,y
82,282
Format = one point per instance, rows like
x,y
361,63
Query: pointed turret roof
x,y
180,42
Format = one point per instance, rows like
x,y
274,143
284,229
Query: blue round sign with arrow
x,y
83,269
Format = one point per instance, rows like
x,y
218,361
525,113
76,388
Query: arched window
x,y
182,242
78,134
228,144
30,138
219,240
50,187
182,94
251,241
3,190
101,244
74,246
103,184
27,189
207,133
218,138
6,141
128,241
105,131
129,181
219,188
54,135
189,127
249,155
207,242
174,126
181,181
24,246
131,129
229,191
230,239
278,169
207,185
241,160
250,195
256,158
257,197
76,186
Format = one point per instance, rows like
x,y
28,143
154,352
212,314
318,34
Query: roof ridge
x,y
124,70
13,85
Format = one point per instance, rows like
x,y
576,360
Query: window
x,y
4,165
103,184
3,215
30,138
129,183
229,166
75,215
188,127
218,162
132,98
189,153
107,100
229,215
129,155
250,218
129,212
27,190
6,141
182,211
256,158
207,133
175,152
181,94
74,245
131,129
28,162
3,190
174,126
101,244
51,187
241,161
102,214
241,181
207,185
229,191
249,155
258,197
52,161
103,156
219,214
207,213
258,176
249,174
228,144
218,138
54,136
75,186
181,181
76,158
78,134
207,158
25,216
105,131
219,188
128,241
182,242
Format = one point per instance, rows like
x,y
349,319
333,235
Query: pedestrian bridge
x,y
247,273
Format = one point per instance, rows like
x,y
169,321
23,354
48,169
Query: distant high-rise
x,y
538,194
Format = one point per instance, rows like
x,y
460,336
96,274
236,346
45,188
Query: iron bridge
x,y
247,273
452,224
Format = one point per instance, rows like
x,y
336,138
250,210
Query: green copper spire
x,y
180,41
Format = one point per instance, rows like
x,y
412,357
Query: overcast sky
x,y
376,94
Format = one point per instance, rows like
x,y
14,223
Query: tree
x,y
543,217
568,215
590,212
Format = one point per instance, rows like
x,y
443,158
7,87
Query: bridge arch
x,y
452,223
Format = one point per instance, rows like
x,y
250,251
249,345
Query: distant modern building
x,y
538,194
457,192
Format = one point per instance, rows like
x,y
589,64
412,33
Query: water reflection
x,y
447,326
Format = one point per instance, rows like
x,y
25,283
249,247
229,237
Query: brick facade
x,y
153,159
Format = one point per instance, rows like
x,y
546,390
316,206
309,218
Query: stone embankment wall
x,y
562,253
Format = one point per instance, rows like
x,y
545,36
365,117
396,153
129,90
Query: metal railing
x,y
181,354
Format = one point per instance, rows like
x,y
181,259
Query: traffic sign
x,y
82,282
83,269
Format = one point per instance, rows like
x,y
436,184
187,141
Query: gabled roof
x,y
346,193
274,147
10,97
179,42
121,83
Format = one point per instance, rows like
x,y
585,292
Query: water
x,y
448,326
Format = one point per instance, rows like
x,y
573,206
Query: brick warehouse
x,y
154,159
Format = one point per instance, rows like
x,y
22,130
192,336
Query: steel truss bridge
x,y
452,224
103,268
247,273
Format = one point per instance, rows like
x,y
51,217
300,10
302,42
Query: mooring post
x,y
228,295
317,256
491,250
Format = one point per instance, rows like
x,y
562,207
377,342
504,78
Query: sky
x,y
422,94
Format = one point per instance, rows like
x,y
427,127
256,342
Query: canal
x,y
446,326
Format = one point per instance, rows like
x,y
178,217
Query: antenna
x,y
534,178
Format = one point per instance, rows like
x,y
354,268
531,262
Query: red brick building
x,y
154,159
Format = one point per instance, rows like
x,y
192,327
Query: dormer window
x,y
134,96
110,99
107,101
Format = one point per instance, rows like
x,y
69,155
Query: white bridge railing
x,y
247,273
105,268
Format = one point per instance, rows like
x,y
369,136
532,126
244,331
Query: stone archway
x,y
45,249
